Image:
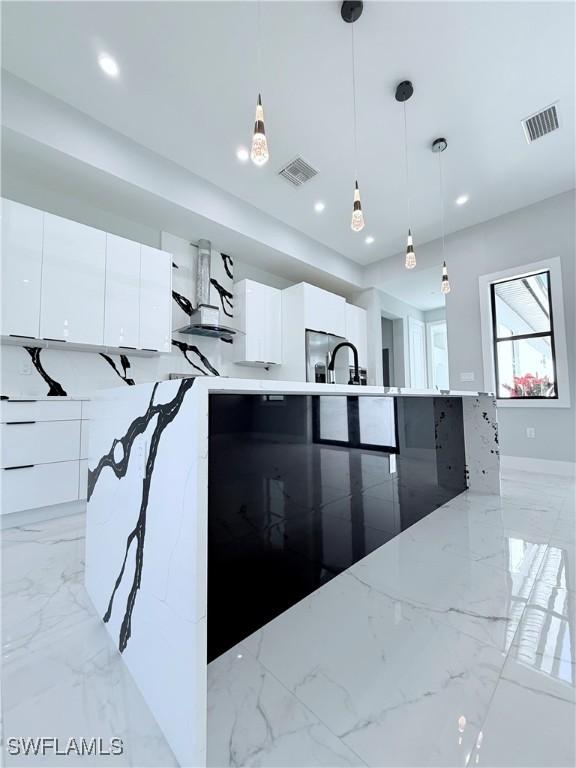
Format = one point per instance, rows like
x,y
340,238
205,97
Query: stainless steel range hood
x,y
205,320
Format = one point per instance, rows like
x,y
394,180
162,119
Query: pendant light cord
x,y
442,205
258,52
354,105
409,203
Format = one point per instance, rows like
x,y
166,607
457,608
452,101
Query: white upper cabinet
x,y
155,299
122,307
73,279
324,311
21,269
356,333
65,281
258,311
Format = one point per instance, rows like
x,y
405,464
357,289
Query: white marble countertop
x,y
268,386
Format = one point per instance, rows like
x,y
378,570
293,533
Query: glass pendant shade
x,y
410,262
445,284
259,153
357,222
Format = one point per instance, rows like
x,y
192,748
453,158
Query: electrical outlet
x,y
26,366
530,432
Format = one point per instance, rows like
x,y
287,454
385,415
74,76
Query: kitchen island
x,y
216,504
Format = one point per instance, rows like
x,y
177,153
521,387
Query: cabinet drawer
x,y
39,410
39,486
39,442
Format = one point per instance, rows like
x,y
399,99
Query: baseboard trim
x,y
39,514
545,466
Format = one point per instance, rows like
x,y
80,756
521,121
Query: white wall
x,y
539,231
435,315
399,311
244,271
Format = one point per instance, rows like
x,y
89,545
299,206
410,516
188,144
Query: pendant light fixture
x,y
351,12
404,91
259,151
439,146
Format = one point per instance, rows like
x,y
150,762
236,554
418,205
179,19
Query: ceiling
x,y
188,84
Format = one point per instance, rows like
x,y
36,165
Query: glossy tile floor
x,y
453,645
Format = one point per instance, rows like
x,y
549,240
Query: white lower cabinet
x,y
39,486
41,442
41,454
40,410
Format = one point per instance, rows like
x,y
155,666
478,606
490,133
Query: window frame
x,y
553,266
521,336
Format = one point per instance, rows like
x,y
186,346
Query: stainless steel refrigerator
x,y
319,348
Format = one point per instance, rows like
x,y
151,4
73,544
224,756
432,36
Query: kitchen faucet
x,y
356,377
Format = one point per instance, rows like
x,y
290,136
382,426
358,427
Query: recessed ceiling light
x,y
462,199
369,240
319,206
108,65
242,154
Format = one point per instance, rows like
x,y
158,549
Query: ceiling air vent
x,y
541,123
297,172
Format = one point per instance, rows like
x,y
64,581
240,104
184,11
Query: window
x,y
523,337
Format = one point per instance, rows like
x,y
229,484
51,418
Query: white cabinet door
x,y
356,332
21,269
271,304
122,305
73,277
259,317
155,299
324,311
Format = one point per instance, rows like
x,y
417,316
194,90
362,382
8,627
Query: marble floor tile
x,y
254,720
61,674
475,599
545,636
559,565
452,644
530,722
533,519
80,687
371,668
449,532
